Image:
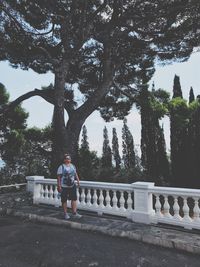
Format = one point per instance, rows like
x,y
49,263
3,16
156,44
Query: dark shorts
x,y
68,194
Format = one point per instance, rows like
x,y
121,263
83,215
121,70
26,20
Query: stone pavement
x,y
161,235
27,244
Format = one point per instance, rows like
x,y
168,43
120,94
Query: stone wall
x,y
14,200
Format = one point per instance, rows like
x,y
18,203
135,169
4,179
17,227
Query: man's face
x,y
67,160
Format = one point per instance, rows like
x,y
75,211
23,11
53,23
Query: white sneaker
x,y
67,217
77,215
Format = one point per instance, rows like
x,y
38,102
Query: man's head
x,y
67,158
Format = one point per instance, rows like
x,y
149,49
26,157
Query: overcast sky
x,y
19,82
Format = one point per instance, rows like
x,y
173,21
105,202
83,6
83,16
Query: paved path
x,y
165,236
27,244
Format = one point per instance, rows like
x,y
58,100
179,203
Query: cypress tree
x,y
163,163
107,154
191,96
128,147
154,158
177,92
194,141
115,150
84,141
148,148
88,161
179,114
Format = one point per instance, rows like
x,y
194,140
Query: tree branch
x,y
43,93
124,92
94,100
17,23
46,94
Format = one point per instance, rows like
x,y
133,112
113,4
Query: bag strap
x,y
62,170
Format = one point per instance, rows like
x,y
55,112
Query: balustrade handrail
x,y
91,184
105,185
175,191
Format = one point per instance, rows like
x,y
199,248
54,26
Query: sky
x,y
18,82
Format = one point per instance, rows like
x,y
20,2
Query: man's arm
x,y
59,183
77,178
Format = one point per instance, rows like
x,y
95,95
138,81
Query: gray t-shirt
x,y
68,171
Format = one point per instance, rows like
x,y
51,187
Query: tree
x,y
153,106
191,96
11,129
106,153
194,144
127,147
163,163
84,141
25,151
179,119
115,150
114,39
177,92
88,162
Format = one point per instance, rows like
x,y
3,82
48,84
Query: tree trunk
x,y
58,123
65,139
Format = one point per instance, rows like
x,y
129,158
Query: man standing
x,y
66,176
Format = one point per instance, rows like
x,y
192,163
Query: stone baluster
x,y
56,197
115,200
78,196
51,193
186,210
196,210
129,202
122,202
108,199
166,207
176,209
42,191
83,197
129,205
101,199
158,206
89,198
95,197
46,192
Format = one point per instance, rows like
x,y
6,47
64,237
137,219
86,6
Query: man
x,y
66,176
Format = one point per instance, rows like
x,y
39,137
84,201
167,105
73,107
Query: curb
x,y
162,241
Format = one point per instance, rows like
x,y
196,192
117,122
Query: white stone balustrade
x,y
177,206
141,201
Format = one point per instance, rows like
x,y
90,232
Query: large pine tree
x,y
92,43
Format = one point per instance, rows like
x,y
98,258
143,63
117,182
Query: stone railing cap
x,y
143,185
34,178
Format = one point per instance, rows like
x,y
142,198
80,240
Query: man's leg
x,y
74,206
64,204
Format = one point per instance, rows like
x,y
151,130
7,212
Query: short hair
x,y
67,156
